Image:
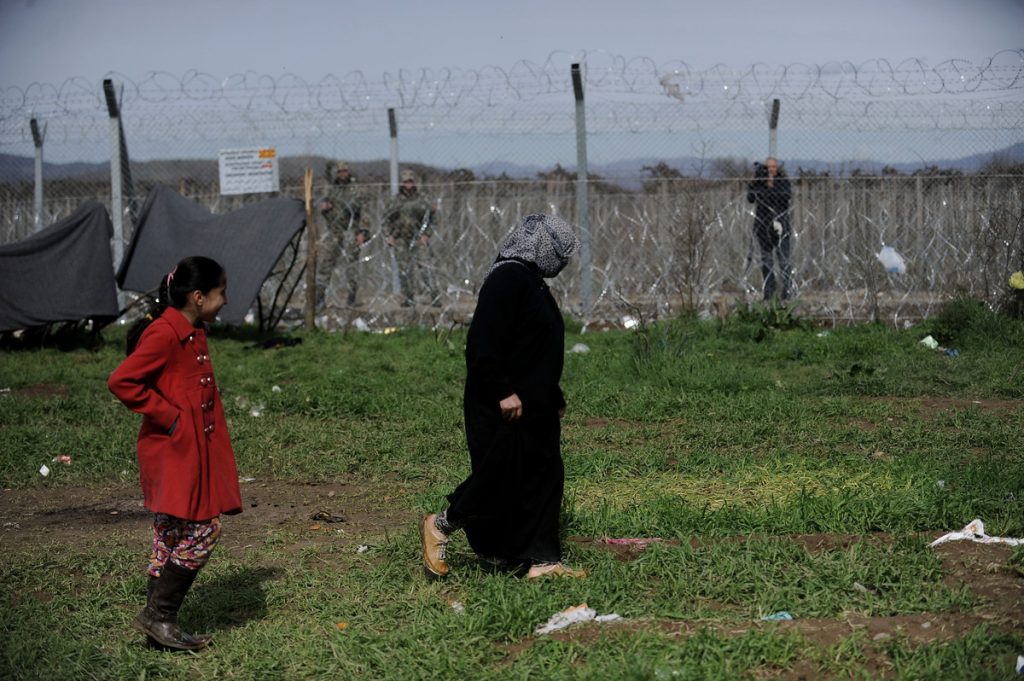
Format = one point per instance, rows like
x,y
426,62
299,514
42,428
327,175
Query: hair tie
x,y
170,277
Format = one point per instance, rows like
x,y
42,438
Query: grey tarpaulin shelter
x,y
246,242
62,273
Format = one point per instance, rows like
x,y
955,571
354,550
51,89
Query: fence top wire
x,y
623,94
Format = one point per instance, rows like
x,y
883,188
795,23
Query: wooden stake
x,y
311,239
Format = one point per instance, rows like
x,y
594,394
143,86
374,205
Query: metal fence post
x,y
116,177
37,139
586,276
773,130
393,130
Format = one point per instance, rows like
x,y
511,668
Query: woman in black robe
x,y
509,505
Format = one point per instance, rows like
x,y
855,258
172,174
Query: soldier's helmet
x,y
408,175
341,165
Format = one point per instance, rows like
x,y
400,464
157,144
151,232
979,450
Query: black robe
x,y
511,501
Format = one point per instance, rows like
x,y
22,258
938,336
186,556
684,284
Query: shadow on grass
x,y
231,600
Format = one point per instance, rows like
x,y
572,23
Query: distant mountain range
x,y
627,173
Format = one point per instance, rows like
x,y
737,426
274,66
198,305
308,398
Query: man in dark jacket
x,y
771,194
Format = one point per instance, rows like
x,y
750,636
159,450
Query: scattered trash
x,y
1020,658
929,342
940,484
5,391
276,389
881,636
951,352
777,226
315,527
63,458
341,626
642,542
247,480
580,348
44,470
823,334
1017,282
114,512
574,615
458,607
360,324
630,322
363,548
326,517
256,411
891,260
975,531
779,616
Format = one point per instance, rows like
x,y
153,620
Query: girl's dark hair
x,y
194,273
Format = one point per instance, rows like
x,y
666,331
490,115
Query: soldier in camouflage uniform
x,y
346,230
408,220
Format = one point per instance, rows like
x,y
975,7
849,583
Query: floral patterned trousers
x,y
187,543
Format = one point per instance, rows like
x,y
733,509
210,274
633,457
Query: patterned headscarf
x,y
545,240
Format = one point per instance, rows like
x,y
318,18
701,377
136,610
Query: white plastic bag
x,y
891,260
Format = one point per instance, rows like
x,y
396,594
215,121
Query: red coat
x,y
190,473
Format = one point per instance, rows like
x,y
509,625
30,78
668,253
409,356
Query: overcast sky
x,y
51,40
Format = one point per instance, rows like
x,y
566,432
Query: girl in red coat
x,y
186,464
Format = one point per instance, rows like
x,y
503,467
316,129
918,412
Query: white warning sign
x,y
248,171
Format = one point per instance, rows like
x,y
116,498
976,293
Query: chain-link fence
x,y
927,159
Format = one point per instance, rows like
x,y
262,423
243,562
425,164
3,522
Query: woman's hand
x,y
511,407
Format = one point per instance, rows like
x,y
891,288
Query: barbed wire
x,y
624,95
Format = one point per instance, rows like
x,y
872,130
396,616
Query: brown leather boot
x,y
159,619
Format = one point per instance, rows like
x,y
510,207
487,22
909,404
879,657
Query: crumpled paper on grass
x,y
574,615
975,531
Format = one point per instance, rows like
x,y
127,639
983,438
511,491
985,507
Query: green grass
x,y
736,434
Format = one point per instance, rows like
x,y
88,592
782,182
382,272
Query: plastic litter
x,y
63,458
363,548
940,484
1017,282
579,348
975,531
777,226
360,324
276,389
246,479
951,352
44,470
1020,664
822,334
929,342
779,616
892,261
574,615
630,322
458,608
256,411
